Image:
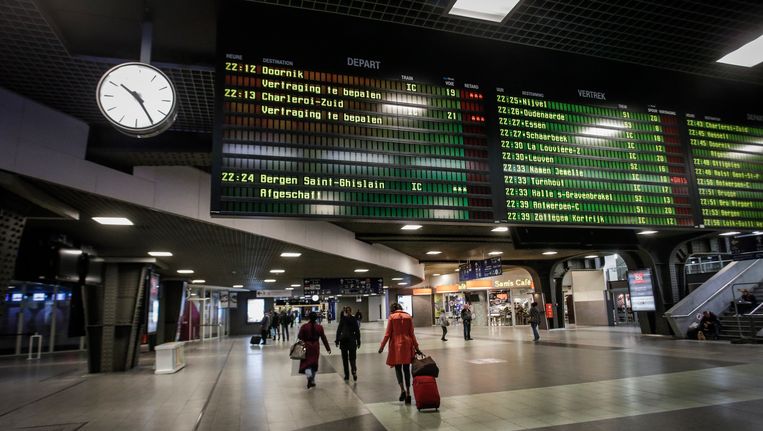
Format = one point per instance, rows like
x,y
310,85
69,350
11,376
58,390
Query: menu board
x,y
571,163
302,141
728,166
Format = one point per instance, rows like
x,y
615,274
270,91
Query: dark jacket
x,y
348,333
466,315
534,315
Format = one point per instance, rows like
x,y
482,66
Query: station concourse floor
x,y
586,379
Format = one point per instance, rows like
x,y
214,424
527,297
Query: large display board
x,y
571,163
348,130
728,165
303,142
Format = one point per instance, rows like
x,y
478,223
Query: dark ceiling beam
x,y
26,191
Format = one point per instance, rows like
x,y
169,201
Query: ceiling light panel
x,y
749,55
160,253
113,221
486,10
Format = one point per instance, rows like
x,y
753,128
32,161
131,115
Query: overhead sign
x,y
343,286
273,293
480,269
642,292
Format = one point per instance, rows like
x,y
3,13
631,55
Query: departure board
x,y
571,163
298,141
728,166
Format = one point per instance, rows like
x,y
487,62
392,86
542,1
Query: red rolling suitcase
x,y
426,393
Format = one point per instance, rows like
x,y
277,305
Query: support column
x,y
114,322
11,228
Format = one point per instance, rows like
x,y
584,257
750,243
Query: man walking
x,y
466,318
534,320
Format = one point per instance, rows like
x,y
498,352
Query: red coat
x,y
311,334
402,342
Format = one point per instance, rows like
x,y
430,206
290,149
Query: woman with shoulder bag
x,y
310,333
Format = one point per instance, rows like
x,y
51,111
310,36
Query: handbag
x,y
423,365
298,351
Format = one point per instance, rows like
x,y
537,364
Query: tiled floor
x,y
581,379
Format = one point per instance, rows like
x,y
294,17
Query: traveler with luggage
x,y
311,333
402,348
265,329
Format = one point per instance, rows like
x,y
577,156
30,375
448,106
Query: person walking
x,y
265,329
275,324
348,341
444,323
534,320
284,320
402,348
466,318
359,317
311,333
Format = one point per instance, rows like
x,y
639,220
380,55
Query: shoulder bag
x,y
298,351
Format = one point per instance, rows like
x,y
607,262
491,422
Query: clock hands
x,y
140,100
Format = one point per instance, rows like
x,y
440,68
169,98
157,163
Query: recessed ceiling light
x,y
402,284
436,275
160,253
550,253
289,288
729,233
361,270
269,280
277,271
486,10
113,221
295,285
591,256
748,55
434,252
385,287
411,227
198,281
185,271
500,229
647,232
397,278
238,286
71,252
495,253
290,254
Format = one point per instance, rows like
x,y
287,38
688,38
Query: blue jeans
x,y
535,331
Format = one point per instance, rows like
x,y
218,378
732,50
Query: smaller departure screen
x,y
728,166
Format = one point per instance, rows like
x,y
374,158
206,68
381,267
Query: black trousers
x,y
444,332
265,333
285,331
467,330
349,355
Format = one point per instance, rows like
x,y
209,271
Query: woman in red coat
x,y
402,347
310,333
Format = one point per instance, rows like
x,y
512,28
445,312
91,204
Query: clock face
x,y
138,99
